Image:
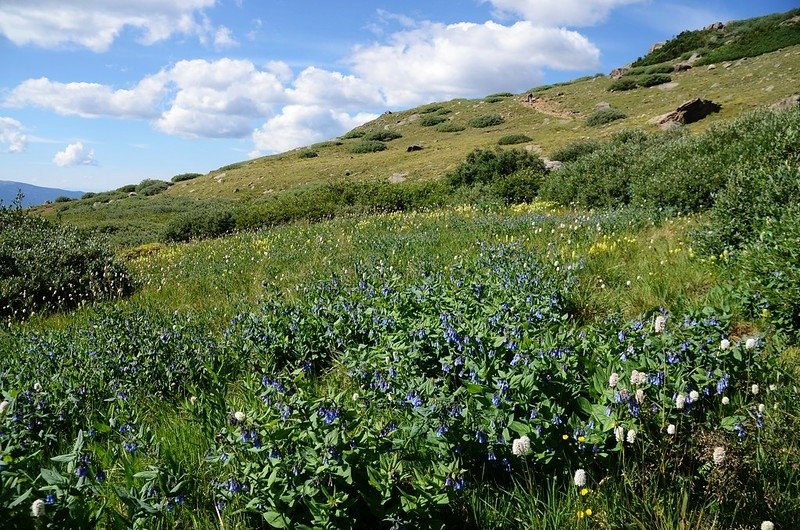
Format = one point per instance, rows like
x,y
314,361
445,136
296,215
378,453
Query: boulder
x,y
398,178
682,67
689,112
715,25
786,103
603,105
414,147
616,73
656,46
552,165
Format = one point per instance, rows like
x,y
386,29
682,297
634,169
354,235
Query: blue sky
x,y
95,94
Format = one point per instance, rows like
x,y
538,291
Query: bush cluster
x,y
149,187
636,81
603,116
450,127
308,153
575,150
485,166
355,133
430,121
199,224
385,135
367,146
46,267
487,120
511,139
185,176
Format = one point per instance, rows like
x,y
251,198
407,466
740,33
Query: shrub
x,y
430,121
355,133
485,166
382,136
308,153
493,99
46,267
63,198
150,187
444,112
450,127
649,80
501,95
429,109
512,139
487,120
368,146
185,176
659,69
127,188
199,224
575,150
603,116
622,84
88,195
520,186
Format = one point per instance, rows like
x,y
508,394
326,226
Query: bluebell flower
x,y
480,437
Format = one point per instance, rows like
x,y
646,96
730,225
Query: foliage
x,y
576,150
63,198
184,177
519,187
430,121
355,133
450,127
382,136
623,83
367,146
308,153
430,109
128,188
149,187
199,224
603,116
483,166
511,139
664,68
629,82
487,120
45,267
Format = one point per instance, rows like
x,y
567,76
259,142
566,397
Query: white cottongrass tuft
x,y
773,387
580,478
619,433
761,408
639,396
521,446
724,344
239,415
671,429
631,436
725,400
751,343
660,324
767,525
37,508
193,400
638,378
680,401
613,380
754,389
719,455
37,387
4,406
694,395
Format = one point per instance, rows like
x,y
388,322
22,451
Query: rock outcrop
x,y
689,112
786,103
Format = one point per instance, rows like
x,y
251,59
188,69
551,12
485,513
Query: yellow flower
x,y
584,491
564,436
588,512
581,439
581,514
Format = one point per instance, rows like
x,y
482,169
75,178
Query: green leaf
x,y
275,519
150,474
51,476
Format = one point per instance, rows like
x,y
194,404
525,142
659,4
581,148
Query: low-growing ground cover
x,y
526,366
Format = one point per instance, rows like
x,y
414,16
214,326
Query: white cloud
x,y
91,100
224,39
299,125
75,155
11,135
438,61
560,12
315,86
95,24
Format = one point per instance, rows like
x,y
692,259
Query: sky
x,y
96,94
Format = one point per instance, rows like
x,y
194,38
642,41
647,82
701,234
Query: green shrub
x,y
185,176
63,198
493,99
355,133
46,267
308,153
487,120
622,84
649,80
199,224
659,69
127,188
382,136
575,150
483,166
603,116
430,121
88,195
430,108
511,139
149,187
450,127
444,112
520,186
368,146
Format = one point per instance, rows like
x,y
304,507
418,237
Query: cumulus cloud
x,y
90,100
299,125
438,61
223,38
95,24
75,155
11,135
334,90
560,12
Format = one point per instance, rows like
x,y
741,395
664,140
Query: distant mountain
x,y
33,195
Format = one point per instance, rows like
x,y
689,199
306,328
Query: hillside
x,y
555,118
32,195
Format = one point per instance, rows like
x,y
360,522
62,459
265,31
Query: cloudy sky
x,y
95,94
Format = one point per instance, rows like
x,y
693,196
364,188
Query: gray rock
x,y
786,103
414,147
397,178
689,112
603,105
552,165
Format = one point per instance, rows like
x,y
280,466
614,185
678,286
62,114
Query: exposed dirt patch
x,y
550,107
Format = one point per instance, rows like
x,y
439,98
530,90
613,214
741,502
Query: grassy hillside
x,y
557,118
